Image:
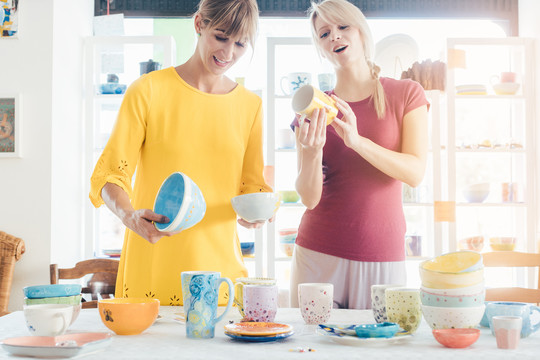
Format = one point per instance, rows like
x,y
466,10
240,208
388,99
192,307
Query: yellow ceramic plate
x,y
257,328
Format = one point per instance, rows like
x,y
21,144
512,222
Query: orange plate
x,y
257,328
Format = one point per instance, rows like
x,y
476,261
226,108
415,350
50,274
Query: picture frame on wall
x,y
9,19
10,125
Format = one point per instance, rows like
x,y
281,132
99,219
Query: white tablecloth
x,y
166,339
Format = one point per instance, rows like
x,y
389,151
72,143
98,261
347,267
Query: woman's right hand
x,y
141,221
312,133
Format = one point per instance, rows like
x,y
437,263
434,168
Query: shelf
x,y
508,204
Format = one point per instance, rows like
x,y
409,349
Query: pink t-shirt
x,y
360,214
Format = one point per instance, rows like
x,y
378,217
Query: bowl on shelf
x,y
128,316
248,248
476,193
287,238
502,243
506,88
456,338
289,196
256,207
475,243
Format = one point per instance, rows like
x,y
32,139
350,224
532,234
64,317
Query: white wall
x,y
529,26
44,66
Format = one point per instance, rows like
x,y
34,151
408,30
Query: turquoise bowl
x,y
51,290
181,200
382,330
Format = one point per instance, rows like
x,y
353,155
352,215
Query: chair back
x,y
11,250
513,259
101,284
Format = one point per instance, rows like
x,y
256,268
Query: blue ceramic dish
x,y
112,88
181,200
248,248
48,291
384,330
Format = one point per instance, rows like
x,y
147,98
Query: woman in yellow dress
x,y
195,120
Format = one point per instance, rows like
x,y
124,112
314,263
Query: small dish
x,y
53,290
456,338
257,328
382,330
259,338
356,341
340,330
64,346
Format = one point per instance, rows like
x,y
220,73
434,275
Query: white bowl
x,y
507,88
453,317
256,206
467,290
476,193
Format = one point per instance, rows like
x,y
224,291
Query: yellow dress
x,y
165,125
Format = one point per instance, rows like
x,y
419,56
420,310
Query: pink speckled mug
x,y
316,301
507,331
260,302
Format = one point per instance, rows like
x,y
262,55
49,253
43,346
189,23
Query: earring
x,y
198,34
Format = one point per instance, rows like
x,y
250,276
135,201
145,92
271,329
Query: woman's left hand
x,y
346,127
253,225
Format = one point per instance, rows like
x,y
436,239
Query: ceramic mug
x,y
260,303
403,306
294,82
48,319
326,81
508,308
378,301
308,98
507,331
200,291
239,289
316,301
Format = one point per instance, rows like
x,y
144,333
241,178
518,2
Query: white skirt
x,y
352,280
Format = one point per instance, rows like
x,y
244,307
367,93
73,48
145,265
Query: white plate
x,y
63,346
394,54
357,341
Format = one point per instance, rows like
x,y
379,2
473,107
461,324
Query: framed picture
x,y
10,126
9,19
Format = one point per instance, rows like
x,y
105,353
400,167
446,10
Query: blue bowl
x,y
112,88
248,248
382,330
54,290
181,200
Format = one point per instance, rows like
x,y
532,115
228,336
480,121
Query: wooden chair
x,y
513,259
101,284
11,250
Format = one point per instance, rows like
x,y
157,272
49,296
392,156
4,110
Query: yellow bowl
x,y
128,316
455,262
442,280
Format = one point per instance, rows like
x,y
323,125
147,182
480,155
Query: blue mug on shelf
x,y
200,291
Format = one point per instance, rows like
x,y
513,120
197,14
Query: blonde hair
x,y
235,17
342,12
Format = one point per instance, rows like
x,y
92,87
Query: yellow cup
x,y
308,98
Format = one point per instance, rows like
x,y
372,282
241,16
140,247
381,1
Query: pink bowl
x,y
456,338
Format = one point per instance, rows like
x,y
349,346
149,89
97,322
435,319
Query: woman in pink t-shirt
x,y
350,173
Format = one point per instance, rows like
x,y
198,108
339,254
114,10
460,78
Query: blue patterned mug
x,y
508,308
200,291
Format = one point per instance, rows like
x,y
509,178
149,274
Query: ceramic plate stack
x,y
69,294
452,291
471,89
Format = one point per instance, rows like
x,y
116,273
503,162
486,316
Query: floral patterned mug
x,y
200,293
316,301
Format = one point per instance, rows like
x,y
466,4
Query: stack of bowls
x,y
68,294
453,291
287,238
